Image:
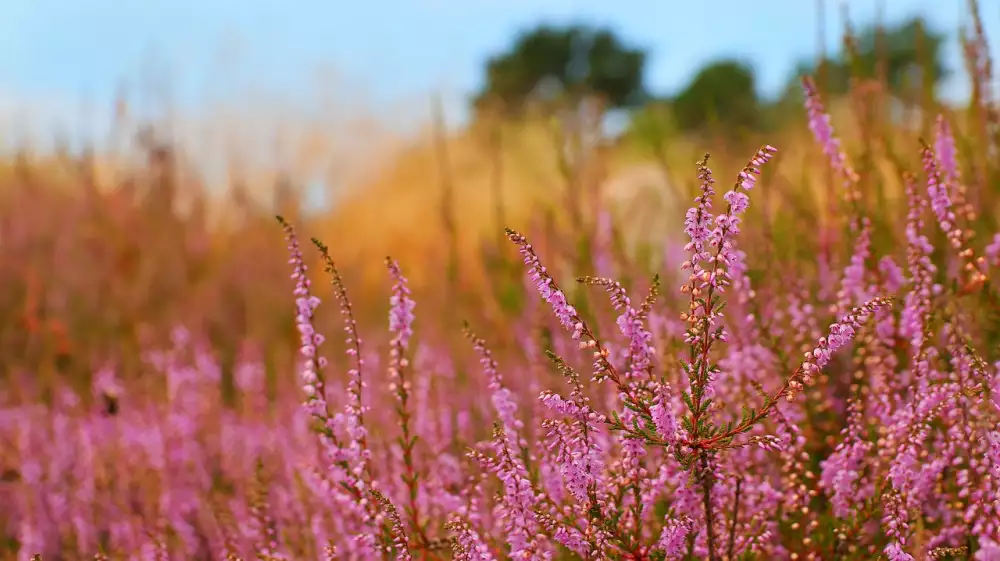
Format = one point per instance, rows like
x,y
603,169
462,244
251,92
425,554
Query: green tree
x,y
911,52
567,65
723,93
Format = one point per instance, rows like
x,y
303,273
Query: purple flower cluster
x,y
721,421
822,129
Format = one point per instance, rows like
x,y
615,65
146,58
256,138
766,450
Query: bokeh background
x,y
147,145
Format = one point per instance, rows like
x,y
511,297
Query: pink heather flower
x,y
710,275
353,418
401,326
993,452
767,442
467,545
992,251
306,305
698,219
727,224
894,552
263,522
673,538
937,190
155,548
579,467
347,464
841,333
841,471
518,500
567,315
502,398
546,286
819,124
572,539
710,272
553,466
853,287
916,303
577,449
896,526
893,277
630,324
944,146
994,385
401,307
639,360
399,539
989,550
604,239
663,415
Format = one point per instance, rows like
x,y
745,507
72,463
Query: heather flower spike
x,y
939,193
306,305
401,327
350,461
711,254
400,542
355,410
822,129
466,544
840,334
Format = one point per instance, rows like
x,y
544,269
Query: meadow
x,y
790,349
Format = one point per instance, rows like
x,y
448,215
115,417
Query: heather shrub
x,y
839,401
795,416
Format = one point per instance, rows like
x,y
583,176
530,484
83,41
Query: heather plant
x,y
739,404
665,474
734,428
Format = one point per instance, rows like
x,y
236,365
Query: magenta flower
x,y
819,124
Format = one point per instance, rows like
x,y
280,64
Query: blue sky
x,y
57,54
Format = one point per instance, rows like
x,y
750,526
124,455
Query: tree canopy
x,y
566,64
723,92
908,50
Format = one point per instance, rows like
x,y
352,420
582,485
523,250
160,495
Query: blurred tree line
x,y
551,67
